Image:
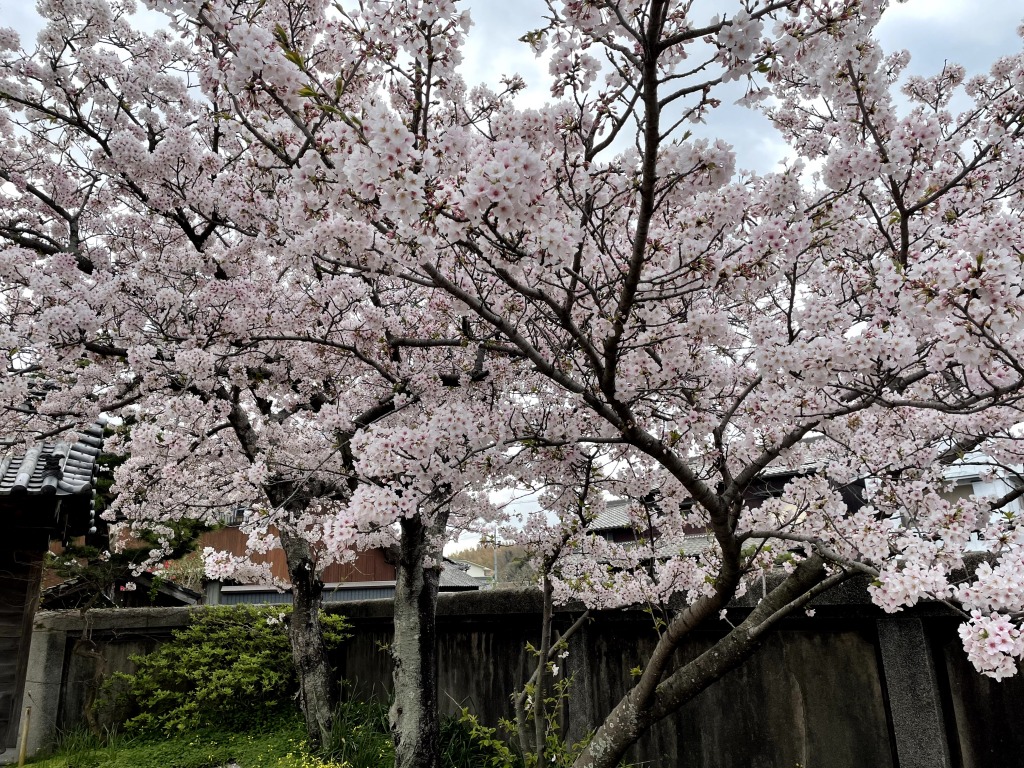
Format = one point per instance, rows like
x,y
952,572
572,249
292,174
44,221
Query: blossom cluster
x,y
324,279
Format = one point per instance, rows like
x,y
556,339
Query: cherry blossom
x,y
324,279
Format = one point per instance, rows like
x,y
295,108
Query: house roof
x,y
692,544
52,468
465,565
77,592
454,577
615,515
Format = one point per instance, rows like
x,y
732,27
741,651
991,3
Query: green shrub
x,y
230,667
465,743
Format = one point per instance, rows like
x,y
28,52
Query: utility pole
x,y
494,576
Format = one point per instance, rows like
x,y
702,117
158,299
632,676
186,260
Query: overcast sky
x,y
969,32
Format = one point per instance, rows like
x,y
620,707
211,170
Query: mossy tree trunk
x,y
317,691
415,726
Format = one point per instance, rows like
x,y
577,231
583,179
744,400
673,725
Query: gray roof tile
x,y
52,468
453,576
615,515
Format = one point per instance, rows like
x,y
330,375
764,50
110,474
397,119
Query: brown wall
x,y
367,566
19,592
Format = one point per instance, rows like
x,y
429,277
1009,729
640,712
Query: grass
x,y
361,740
361,737
281,746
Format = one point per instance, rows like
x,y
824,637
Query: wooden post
x,y
23,738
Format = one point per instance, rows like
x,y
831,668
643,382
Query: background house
x,y
483,575
368,577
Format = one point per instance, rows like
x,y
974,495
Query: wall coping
x,y
848,599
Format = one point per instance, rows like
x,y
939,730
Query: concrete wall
x,y
850,687
71,653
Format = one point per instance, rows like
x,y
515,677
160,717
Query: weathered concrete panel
x,y
915,702
986,713
87,664
781,708
813,696
475,665
43,687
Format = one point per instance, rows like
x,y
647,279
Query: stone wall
x,y
850,687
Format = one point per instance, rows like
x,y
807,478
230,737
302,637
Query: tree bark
x,y
634,713
540,720
317,692
415,726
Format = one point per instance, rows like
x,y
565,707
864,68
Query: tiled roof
x,y
453,576
615,515
692,544
52,468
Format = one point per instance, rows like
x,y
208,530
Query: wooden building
x,y
369,576
46,492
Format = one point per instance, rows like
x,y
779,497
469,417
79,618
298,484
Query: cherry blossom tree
x,y
153,268
290,215
852,321
855,314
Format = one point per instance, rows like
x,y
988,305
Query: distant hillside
x,y
513,562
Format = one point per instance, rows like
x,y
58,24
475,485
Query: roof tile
x,y
51,468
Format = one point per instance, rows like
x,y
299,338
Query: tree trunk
x,y
415,725
316,684
636,712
